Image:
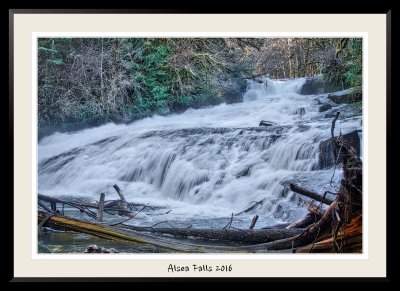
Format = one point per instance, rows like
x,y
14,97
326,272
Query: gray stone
x,y
242,173
266,123
313,86
94,249
233,96
326,155
345,97
325,107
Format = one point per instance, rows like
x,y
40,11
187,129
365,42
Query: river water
x,y
205,164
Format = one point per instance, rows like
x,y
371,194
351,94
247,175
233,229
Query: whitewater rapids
x,y
202,164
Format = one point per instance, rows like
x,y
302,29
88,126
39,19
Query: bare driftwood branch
x,y
52,200
101,208
310,194
256,203
334,144
120,193
41,204
253,222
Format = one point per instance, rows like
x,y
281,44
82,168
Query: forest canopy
x,y
122,79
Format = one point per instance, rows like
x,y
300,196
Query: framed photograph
x,y
228,147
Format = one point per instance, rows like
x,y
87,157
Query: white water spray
x,y
204,163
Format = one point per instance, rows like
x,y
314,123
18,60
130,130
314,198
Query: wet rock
x,y
326,155
346,111
235,93
259,79
318,101
346,96
94,249
233,96
325,107
266,123
244,172
313,86
301,111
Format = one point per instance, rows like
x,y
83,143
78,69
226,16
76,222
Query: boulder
x,y
325,107
266,123
346,111
313,86
94,249
234,92
346,96
242,173
326,155
233,96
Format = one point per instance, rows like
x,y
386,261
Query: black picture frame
x,y
392,151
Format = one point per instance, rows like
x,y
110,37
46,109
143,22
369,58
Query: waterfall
x,y
202,164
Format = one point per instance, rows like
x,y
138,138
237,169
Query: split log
x,y
133,237
310,194
99,230
101,208
253,222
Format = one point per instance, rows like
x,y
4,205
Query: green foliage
x,y
334,72
345,70
47,50
353,74
56,61
355,105
86,79
151,76
98,79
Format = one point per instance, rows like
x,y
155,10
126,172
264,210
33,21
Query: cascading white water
x,y
204,163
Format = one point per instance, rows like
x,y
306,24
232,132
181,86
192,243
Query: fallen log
x,y
310,194
248,236
133,237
